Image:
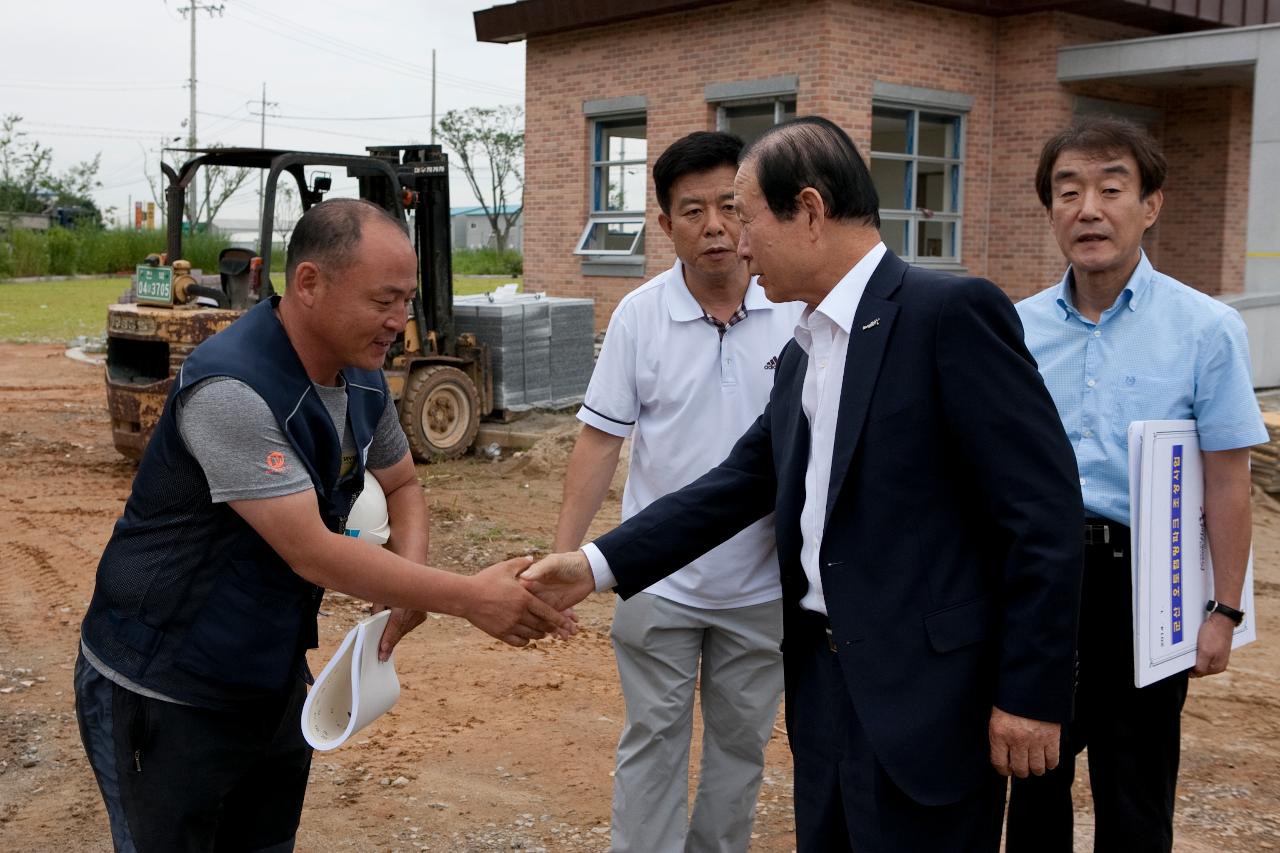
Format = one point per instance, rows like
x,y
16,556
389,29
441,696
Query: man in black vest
x,y
192,669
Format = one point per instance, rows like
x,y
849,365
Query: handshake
x,y
519,600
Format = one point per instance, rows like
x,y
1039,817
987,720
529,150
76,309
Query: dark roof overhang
x,y
518,21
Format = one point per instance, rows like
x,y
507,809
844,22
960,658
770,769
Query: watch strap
x,y
1236,616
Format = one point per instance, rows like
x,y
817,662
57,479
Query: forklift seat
x,y
233,270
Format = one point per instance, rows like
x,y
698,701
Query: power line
x,y
222,126
93,87
112,174
326,37
148,133
352,118
363,136
105,135
98,135
142,178
347,50
242,93
380,64
227,122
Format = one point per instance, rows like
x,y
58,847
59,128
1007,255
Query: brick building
x,y
951,101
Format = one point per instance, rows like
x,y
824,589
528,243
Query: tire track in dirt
x,y
31,589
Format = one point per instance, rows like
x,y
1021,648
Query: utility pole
x,y
433,96
163,201
262,140
195,7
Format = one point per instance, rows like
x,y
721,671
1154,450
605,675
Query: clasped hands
x,y
522,600
505,605
508,601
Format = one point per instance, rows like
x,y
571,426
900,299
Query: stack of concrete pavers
x,y
541,346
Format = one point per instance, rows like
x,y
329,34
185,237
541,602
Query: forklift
x,y
442,381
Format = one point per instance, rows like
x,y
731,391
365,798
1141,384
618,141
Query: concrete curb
x,y
78,354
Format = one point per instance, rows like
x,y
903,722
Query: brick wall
x,y
669,60
1202,225
837,49
1030,107
926,47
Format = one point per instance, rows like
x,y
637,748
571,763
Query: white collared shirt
x,y
685,394
823,333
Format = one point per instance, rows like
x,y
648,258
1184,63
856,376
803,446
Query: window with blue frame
x,y
749,119
619,168
917,160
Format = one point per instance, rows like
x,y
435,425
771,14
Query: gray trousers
x,y
658,644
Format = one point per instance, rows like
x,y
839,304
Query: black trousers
x,y
180,778
844,799
1133,735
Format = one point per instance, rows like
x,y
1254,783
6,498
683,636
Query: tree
x,y
28,183
287,213
220,184
23,166
74,188
492,136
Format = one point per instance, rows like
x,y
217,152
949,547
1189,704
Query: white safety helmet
x,y
368,519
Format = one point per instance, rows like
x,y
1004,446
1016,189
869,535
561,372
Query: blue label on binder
x,y
1175,544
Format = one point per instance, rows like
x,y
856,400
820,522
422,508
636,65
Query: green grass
x,y
92,251
61,311
487,262
57,311
469,285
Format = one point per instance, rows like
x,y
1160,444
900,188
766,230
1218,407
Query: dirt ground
x,y
489,748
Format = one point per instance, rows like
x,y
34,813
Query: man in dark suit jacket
x,y
927,509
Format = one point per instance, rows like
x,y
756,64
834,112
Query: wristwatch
x,y
1236,616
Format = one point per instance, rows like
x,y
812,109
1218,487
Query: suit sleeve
x,y
1007,427
683,525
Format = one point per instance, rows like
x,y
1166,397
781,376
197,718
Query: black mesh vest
x,y
189,600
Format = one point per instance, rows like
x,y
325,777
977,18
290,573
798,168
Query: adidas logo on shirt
x,y
771,364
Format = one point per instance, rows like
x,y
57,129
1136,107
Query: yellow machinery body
x,y
145,349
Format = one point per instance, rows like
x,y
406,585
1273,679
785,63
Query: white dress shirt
x,y
823,333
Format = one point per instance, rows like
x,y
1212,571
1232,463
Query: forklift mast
x,y
423,173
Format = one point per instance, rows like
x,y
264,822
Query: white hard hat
x,y
368,519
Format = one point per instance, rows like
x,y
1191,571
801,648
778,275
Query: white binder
x,y
1172,571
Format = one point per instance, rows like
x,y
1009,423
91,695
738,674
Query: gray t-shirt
x,y
231,432
245,455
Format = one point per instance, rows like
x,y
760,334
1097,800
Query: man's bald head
x,y
329,233
813,152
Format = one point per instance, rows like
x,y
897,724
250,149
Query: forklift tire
x,y
440,412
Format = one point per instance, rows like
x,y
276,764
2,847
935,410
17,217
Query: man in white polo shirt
x,y
686,367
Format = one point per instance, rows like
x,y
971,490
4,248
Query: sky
x,y
92,77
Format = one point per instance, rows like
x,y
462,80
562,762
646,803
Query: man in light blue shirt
x,y
1117,341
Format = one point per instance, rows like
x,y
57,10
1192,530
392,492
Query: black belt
x,y
1103,531
819,622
